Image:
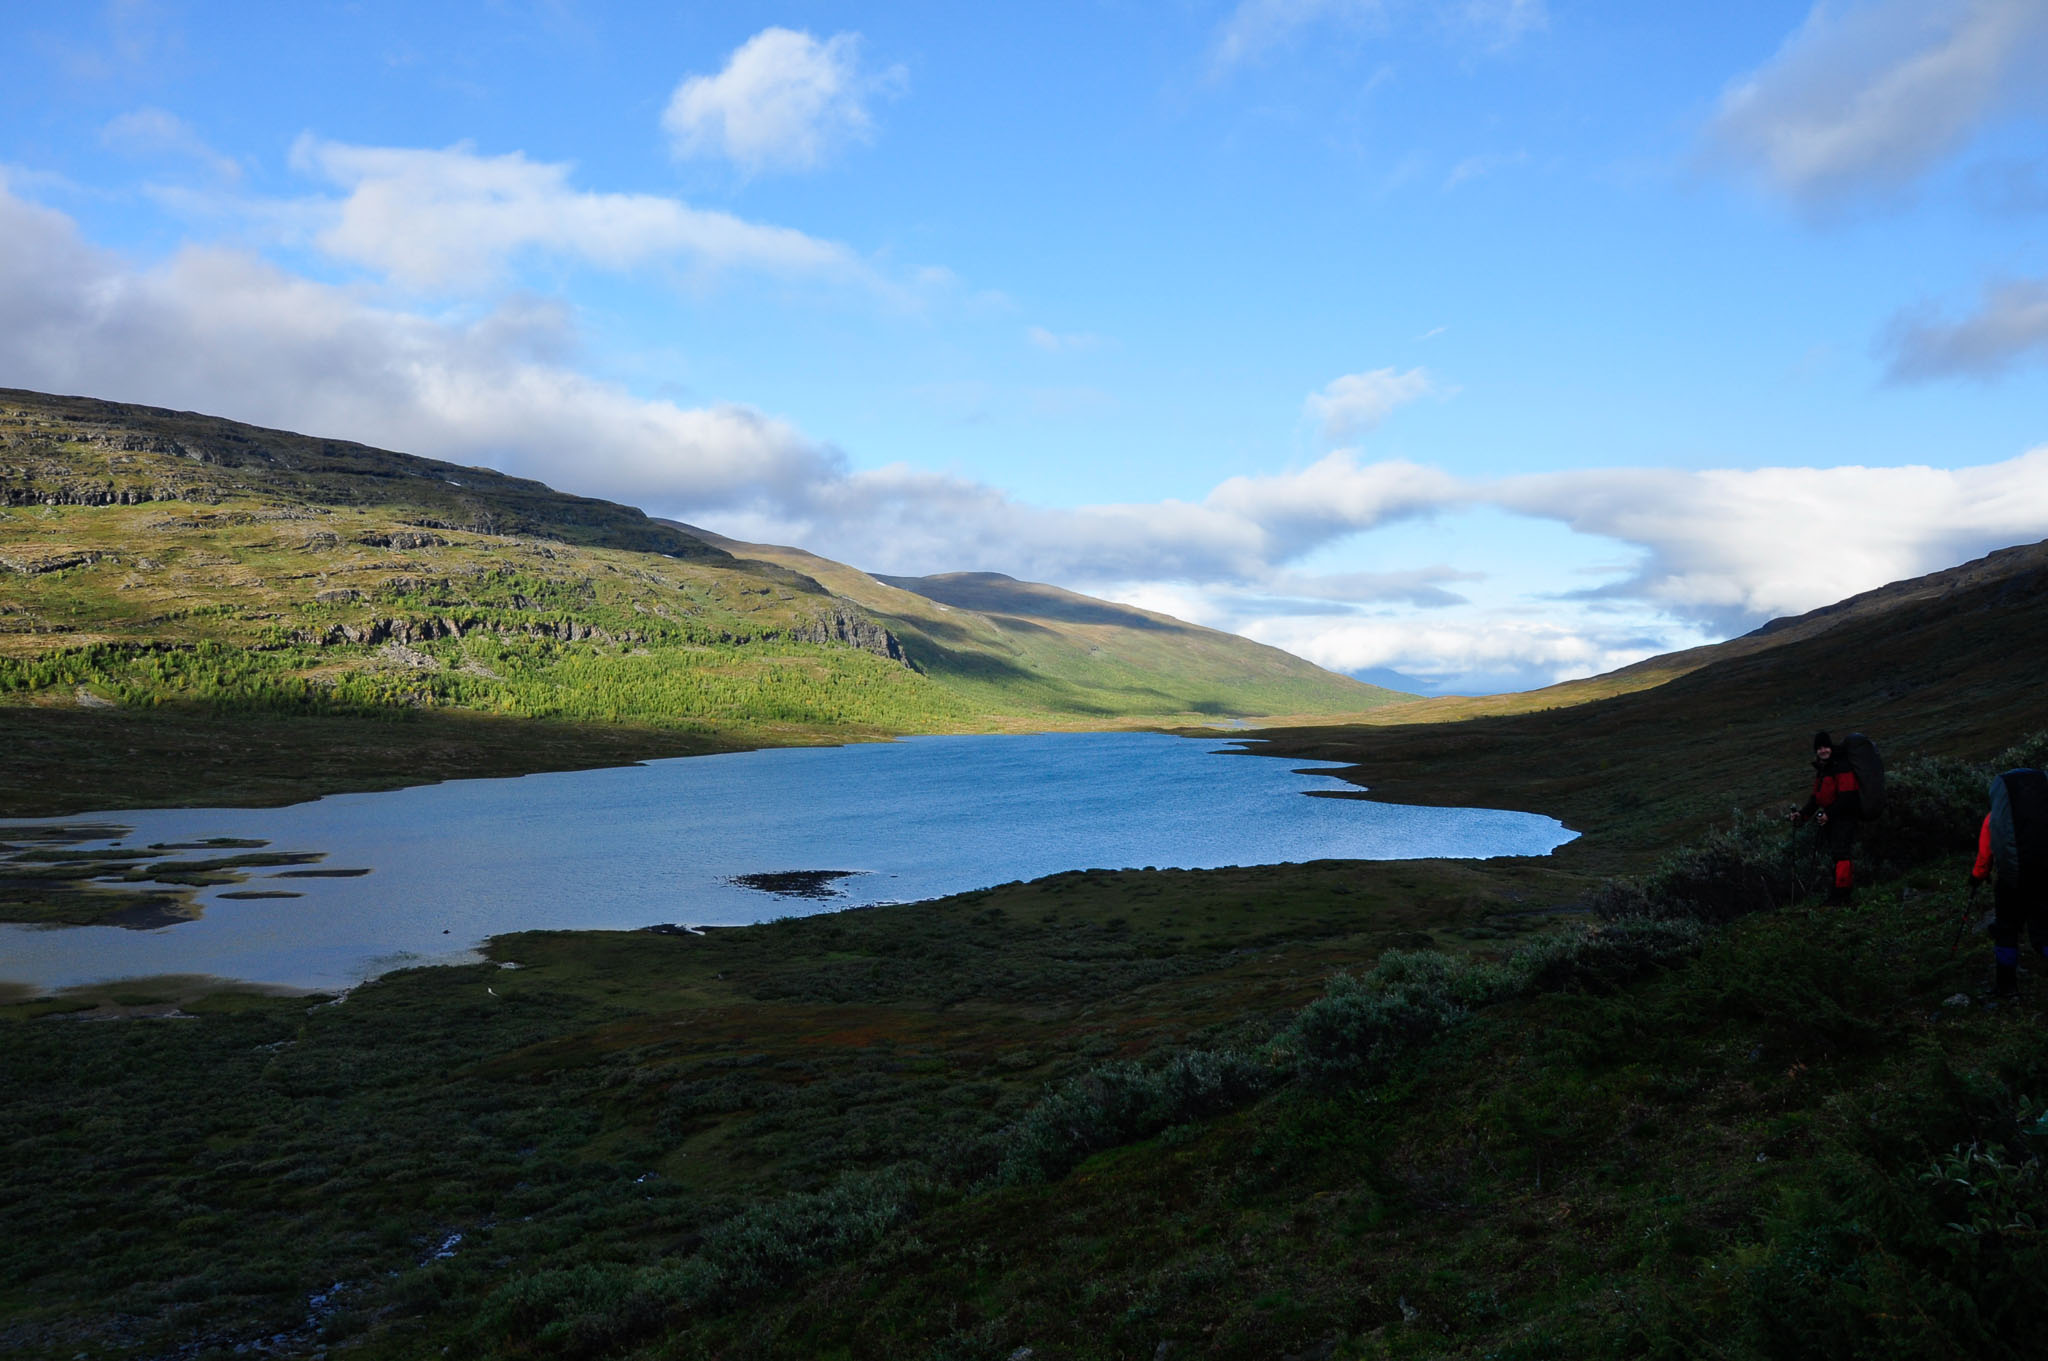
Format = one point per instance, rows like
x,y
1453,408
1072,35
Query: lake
x,y
726,840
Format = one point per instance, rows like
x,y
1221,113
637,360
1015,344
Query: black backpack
x,y
2019,823
1861,754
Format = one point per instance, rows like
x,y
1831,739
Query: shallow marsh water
x,y
680,841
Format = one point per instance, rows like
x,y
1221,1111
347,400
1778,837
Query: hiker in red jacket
x,y
1836,806
2014,841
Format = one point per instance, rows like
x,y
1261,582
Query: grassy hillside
x,y
1479,1109
178,591
993,639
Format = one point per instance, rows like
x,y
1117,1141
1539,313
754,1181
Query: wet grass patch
x,y
48,880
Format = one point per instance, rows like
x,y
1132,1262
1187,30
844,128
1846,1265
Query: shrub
x,y
776,1241
1945,1260
1933,806
1121,1102
598,1308
1754,863
2028,751
593,1309
1361,1026
1605,957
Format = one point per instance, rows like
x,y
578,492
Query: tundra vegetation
x,y
1643,1097
1496,1108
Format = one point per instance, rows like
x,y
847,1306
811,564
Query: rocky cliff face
x,y
848,627
837,628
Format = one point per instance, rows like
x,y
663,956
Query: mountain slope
x,y
990,636
225,580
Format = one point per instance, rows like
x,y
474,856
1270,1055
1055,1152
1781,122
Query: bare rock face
x,y
404,539
35,564
427,629
412,659
89,494
134,442
850,628
843,626
388,631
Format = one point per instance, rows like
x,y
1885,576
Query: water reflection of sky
x,y
632,846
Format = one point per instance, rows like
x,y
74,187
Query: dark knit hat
x,y
1821,739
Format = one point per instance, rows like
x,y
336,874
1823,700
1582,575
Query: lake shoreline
x,y
63,760
442,868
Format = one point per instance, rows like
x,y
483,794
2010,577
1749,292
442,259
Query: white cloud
x,y
1254,28
1054,342
1491,653
1737,546
156,133
2010,321
1422,587
222,331
784,101
440,219
1357,402
1257,26
1865,98
1504,21
1477,167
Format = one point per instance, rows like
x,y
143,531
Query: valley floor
x,y
1106,1114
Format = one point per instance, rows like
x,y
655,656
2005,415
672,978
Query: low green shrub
x,y
1604,958
590,1310
1362,1025
1118,1103
1755,863
598,1308
776,1241
1942,1259
2030,751
1933,806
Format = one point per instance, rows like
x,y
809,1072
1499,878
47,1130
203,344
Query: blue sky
x,y
1485,343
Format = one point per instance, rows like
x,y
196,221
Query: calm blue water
x,y
637,845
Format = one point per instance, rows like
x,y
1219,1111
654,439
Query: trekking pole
x,y
1969,915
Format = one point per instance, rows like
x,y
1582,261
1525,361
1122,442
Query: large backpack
x,y
1861,754
2019,823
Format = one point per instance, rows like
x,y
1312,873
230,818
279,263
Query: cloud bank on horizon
x,y
453,301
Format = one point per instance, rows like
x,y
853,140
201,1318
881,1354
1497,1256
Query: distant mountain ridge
x,y
199,457
984,633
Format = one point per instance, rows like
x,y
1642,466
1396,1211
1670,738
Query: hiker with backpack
x,y
2014,842
1848,787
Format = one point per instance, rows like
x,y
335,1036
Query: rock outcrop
x,y
850,628
837,628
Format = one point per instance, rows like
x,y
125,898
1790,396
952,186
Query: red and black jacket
x,y
1835,789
